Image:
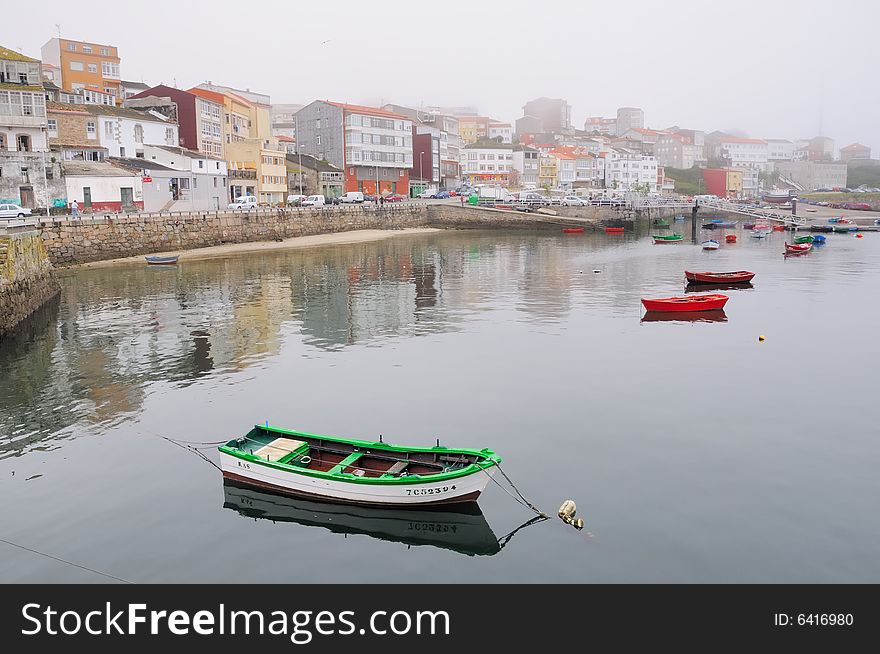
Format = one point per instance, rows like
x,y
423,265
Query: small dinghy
x,y
692,303
670,238
730,238
818,240
711,245
799,240
794,248
759,233
162,261
572,230
736,277
356,472
614,230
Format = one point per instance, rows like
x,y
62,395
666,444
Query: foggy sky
x,y
773,69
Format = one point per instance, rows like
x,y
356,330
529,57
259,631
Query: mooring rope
x,y
76,565
520,500
190,449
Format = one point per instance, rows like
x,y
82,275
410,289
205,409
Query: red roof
x,y
213,96
856,146
286,139
646,132
361,109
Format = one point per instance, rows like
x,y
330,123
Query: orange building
x,y
84,65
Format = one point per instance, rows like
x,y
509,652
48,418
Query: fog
x,y
771,69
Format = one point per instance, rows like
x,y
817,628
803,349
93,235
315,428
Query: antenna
x,y
58,29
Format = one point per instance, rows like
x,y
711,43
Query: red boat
x,y
736,277
730,238
573,230
692,303
778,228
799,248
614,230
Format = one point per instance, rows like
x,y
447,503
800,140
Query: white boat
x,y
711,245
356,472
759,233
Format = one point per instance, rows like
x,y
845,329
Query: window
x,y
105,52
25,176
109,69
318,124
215,182
318,140
138,133
87,49
90,129
108,130
93,68
201,164
195,182
184,183
71,47
76,65
169,136
121,152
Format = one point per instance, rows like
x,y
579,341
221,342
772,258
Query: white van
x,y
243,202
352,197
314,201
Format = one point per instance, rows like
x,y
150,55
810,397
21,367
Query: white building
x,y
780,150
501,130
626,169
487,164
738,151
125,132
101,186
601,125
629,118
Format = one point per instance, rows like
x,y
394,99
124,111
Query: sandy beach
x,y
318,240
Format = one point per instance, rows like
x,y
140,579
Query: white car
x,y
243,202
574,201
314,201
13,211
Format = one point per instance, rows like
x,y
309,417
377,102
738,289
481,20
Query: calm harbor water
x,y
695,453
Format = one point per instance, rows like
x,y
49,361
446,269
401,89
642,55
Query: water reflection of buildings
x,y
120,329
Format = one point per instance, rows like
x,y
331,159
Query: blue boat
x,y
818,239
833,220
162,261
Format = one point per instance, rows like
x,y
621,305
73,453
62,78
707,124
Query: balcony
x,y
242,174
22,121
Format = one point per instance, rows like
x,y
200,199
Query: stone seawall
x,y
71,242
26,278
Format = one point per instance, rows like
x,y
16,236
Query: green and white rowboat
x,y
354,471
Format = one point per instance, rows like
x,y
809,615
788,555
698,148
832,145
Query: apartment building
x,y
525,164
602,125
675,150
554,113
629,118
83,65
124,132
73,133
473,128
487,163
372,146
499,130
780,150
738,152
855,151
442,126
200,120
630,170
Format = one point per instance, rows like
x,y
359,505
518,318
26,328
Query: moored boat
x,y
818,240
572,230
803,239
795,248
711,245
735,277
778,228
730,238
718,225
822,228
661,222
354,471
749,225
670,238
759,233
693,303
162,260
614,230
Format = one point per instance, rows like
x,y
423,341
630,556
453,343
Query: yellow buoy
x,y
761,338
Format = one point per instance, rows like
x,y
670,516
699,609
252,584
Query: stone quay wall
x,y
27,280
111,236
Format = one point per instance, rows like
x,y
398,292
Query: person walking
x,y
74,209
461,196
382,200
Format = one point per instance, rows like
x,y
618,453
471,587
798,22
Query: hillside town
x,y
72,129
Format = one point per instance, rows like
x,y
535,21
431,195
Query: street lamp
x,y
421,175
298,152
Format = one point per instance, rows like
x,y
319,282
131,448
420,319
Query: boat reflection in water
x,y
700,288
684,316
461,528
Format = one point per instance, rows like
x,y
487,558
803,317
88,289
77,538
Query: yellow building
x,y
472,129
548,171
257,163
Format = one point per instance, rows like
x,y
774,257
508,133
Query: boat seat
x,y
280,448
345,463
396,469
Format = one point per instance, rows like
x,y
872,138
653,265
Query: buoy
x,y
859,235
578,524
567,510
761,338
597,271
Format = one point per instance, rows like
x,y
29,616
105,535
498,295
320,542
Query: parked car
x,y
13,211
427,194
351,197
368,197
860,206
442,195
528,208
393,197
314,201
243,202
574,201
295,200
